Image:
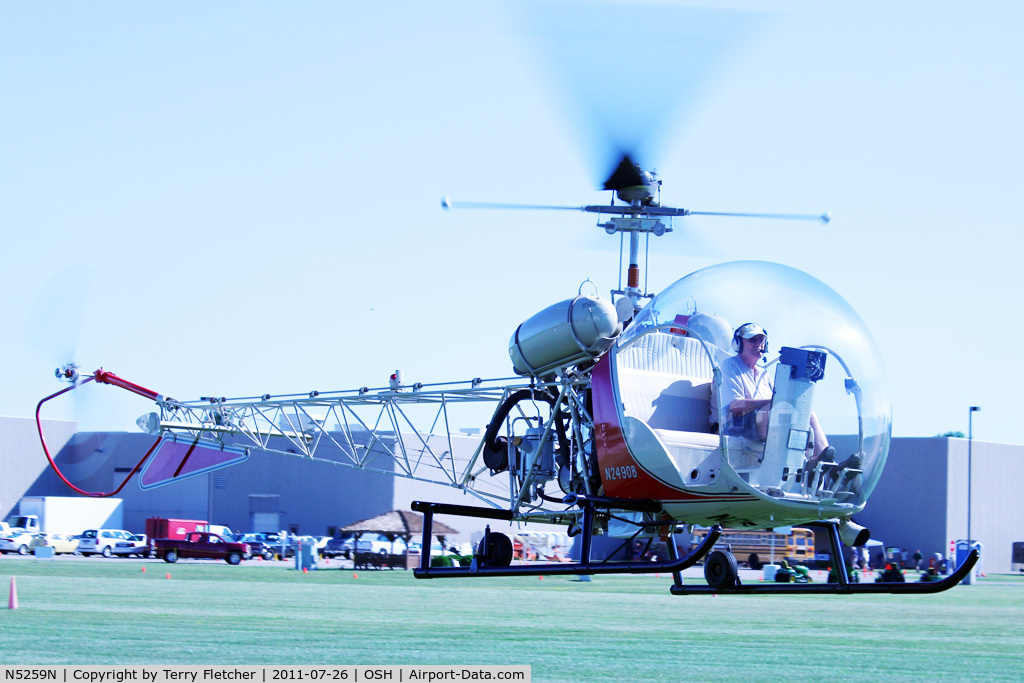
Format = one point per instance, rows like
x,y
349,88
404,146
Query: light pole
x,y
969,579
970,439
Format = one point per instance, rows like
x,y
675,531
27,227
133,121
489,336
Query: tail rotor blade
x,y
55,321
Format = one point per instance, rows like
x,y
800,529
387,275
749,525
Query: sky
x,y
234,198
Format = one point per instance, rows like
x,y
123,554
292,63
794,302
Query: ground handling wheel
x,y
494,550
720,570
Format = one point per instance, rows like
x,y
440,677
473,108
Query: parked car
x,y
338,547
257,545
200,544
17,542
137,545
435,548
275,546
61,543
102,541
375,550
379,544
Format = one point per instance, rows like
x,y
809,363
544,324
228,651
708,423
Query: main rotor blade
x,y
668,56
634,210
824,217
448,204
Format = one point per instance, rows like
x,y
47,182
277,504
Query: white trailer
x,y
73,514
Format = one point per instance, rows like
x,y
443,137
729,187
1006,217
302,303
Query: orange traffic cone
x,y
354,575
12,602
305,570
143,569
168,575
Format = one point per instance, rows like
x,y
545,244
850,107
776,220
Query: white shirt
x,y
739,380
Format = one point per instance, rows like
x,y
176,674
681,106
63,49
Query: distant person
x,y
917,559
890,574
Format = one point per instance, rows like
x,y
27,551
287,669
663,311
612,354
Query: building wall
x,y
997,489
908,506
22,461
313,498
920,501
309,497
100,462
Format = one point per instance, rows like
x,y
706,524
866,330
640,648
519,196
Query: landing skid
x,y
726,578
481,566
842,584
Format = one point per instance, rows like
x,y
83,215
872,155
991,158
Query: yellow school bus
x,y
754,548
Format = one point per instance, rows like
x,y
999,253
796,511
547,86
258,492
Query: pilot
x,y
747,393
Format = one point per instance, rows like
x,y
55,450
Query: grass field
x,y
609,629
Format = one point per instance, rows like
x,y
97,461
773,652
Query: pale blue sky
x,y
239,198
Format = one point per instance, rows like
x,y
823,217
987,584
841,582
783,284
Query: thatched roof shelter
x,y
402,524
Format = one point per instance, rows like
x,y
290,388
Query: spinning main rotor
x,y
639,213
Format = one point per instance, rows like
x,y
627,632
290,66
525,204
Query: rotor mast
x,y
639,189
634,226
633,272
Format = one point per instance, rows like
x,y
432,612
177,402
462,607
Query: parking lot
x,y
746,575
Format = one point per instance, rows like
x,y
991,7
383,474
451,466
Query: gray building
x,y
920,501
22,462
268,492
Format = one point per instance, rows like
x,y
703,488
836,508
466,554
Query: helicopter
x,y
606,428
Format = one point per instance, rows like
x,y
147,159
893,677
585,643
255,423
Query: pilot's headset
x,y
745,331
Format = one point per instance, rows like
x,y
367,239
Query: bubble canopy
x,y
799,311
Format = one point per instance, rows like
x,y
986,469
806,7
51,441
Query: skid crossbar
x,y
584,567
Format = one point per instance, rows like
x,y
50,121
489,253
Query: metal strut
x,y
584,566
